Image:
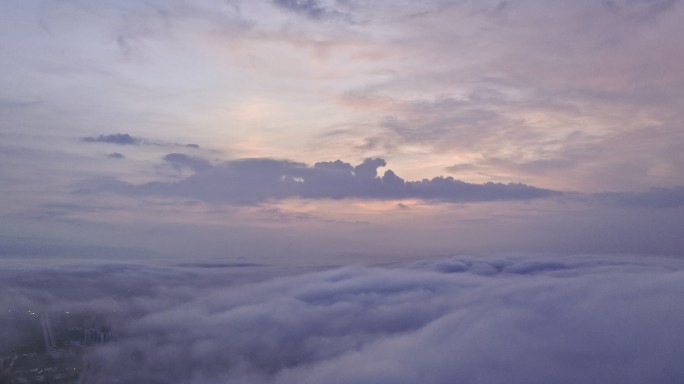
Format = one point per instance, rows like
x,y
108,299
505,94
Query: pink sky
x,y
582,99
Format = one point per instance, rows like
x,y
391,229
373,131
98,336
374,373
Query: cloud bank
x,y
653,198
252,181
464,319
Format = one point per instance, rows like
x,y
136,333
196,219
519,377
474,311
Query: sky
x,y
342,131
345,191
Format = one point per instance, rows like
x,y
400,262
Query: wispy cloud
x,y
127,139
654,198
181,160
314,9
115,138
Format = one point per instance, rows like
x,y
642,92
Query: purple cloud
x,y
462,319
116,138
127,139
181,160
654,198
252,181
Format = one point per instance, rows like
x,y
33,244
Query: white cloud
x,y
519,319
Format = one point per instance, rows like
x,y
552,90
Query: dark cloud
x,y
127,139
639,10
116,138
116,155
219,265
252,181
463,319
7,104
180,160
311,8
36,247
654,198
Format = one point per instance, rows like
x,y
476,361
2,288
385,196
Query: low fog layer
x,y
599,319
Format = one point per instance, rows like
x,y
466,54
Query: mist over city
x,y
341,191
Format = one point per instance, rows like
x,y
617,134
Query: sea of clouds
x,y
518,319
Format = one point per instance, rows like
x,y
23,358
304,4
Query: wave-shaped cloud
x,y
604,319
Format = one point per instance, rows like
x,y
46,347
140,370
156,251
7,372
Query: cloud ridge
x,y
253,181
